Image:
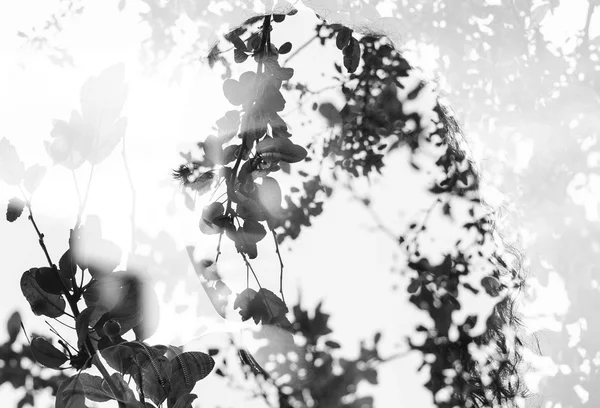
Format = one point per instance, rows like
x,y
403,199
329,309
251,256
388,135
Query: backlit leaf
x,y
12,169
33,177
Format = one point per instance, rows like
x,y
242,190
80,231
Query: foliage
x,y
516,72
15,368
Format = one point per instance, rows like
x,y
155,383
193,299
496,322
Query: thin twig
x,y
303,46
83,204
280,265
53,330
40,236
219,248
76,187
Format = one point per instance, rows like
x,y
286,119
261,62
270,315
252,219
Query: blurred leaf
x,y
46,354
269,194
33,177
70,394
14,209
213,150
207,221
13,327
12,169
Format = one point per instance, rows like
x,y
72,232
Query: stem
x,y
133,197
40,236
73,305
83,204
219,248
303,46
280,265
258,283
263,49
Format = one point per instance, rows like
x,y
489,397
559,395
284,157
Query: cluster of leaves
x,y
15,370
116,302
255,139
314,375
373,122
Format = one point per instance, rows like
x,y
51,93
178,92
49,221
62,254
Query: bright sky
x,y
164,118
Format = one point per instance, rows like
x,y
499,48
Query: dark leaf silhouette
x,y
13,327
41,302
352,55
46,354
285,47
49,280
14,209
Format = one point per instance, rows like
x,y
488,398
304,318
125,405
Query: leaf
x,y
107,138
228,126
156,373
233,91
185,401
213,150
46,354
13,326
41,303
239,55
243,302
285,48
282,149
92,388
230,153
121,358
67,268
247,237
88,317
331,113
48,279
352,55
72,141
12,169
14,209
122,392
332,344
103,97
283,74
33,177
343,37
278,18
187,369
269,195
70,394
210,213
